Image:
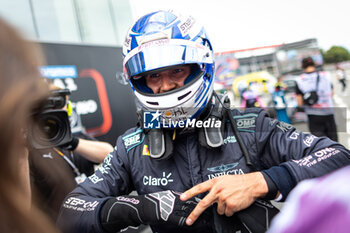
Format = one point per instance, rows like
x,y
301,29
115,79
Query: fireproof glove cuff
x,y
154,208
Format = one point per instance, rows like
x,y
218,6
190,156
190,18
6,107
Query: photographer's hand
x,y
72,145
154,208
94,151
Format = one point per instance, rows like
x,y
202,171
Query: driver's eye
x,y
156,75
175,71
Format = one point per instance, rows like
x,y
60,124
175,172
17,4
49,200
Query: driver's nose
x,y
166,84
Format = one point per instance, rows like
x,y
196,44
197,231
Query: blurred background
x,y
256,42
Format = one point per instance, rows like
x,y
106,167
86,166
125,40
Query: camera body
x,y
52,126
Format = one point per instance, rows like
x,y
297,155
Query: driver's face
x,y
168,80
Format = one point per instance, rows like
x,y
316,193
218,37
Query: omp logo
x,y
155,181
224,169
246,122
151,120
128,141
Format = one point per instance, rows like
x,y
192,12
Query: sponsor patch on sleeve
x,y
133,139
78,204
316,157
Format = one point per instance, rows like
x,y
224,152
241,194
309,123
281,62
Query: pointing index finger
x,y
197,189
206,202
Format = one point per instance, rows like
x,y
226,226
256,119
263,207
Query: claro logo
x,y
155,181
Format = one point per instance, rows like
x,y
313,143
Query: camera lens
x,y
50,127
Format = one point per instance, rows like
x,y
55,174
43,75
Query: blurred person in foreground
x,y
56,170
191,175
21,91
315,92
320,205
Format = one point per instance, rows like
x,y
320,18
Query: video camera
x,y
52,126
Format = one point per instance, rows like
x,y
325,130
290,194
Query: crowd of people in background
x,y
316,86
279,102
312,85
38,184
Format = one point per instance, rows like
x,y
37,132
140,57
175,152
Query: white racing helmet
x,y
162,40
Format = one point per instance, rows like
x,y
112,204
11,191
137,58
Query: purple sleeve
x,y
315,206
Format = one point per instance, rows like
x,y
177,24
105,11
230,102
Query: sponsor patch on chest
x,y
158,181
246,122
224,169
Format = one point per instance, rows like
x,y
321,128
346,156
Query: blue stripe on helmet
x,y
200,109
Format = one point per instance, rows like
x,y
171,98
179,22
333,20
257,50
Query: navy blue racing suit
x,y
286,155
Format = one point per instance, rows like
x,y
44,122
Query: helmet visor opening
x,y
140,85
